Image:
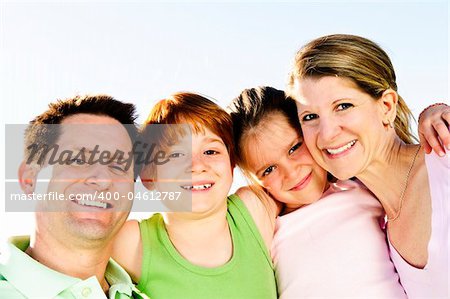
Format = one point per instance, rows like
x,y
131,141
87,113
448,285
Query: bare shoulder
x,y
262,208
127,249
255,198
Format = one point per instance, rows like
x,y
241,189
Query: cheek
x,y
321,178
272,184
309,133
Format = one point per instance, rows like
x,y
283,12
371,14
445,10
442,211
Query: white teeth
x,y
197,187
91,203
342,148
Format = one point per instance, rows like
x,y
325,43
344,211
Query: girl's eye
x,y
294,148
211,152
309,117
343,106
268,170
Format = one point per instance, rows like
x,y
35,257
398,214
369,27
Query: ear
x,y
388,103
28,176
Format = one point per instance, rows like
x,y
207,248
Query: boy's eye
x,y
309,117
294,148
176,155
268,170
343,106
211,152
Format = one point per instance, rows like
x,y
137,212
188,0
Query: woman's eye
x,y
211,152
309,117
343,106
294,148
268,170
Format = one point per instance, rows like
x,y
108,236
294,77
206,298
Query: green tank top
x,y
248,274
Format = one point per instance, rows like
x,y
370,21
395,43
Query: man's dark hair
x,y
42,134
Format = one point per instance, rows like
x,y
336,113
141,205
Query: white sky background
x,y
141,52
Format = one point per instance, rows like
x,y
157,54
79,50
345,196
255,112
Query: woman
x,y
356,125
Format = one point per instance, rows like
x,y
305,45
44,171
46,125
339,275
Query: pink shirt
x,y
335,248
433,280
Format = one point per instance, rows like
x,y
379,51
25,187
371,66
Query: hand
x,y
433,123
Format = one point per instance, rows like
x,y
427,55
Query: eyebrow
x,y
342,99
212,139
332,103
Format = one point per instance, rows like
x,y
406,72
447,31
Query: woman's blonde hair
x,y
358,59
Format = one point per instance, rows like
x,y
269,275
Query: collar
x,y
28,276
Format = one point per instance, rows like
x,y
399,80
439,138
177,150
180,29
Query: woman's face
x,y
281,163
342,125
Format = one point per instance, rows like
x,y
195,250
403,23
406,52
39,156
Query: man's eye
x,y
77,161
309,117
211,152
268,170
294,148
118,167
343,106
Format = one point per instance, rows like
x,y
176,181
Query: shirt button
x,y
86,292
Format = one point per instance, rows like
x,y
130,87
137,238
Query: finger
x,y
446,117
443,133
423,141
433,141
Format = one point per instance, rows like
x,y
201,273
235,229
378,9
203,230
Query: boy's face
x,y
198,167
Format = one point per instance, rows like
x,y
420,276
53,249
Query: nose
x,y
328,130
198,163
289,168
100,177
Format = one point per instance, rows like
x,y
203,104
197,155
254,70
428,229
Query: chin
x,y
342,173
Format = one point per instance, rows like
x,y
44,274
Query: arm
x,y
433,123
263,209
127,249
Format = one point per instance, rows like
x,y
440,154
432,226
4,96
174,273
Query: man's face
x,y
97,193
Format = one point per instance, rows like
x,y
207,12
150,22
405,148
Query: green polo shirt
x,y
23,277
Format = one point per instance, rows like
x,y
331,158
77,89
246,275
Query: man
x,y
88,142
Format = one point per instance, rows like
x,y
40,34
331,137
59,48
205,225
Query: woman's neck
x,y
388,175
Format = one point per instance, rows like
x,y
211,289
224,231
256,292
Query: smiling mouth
x,y
201,187
302,184
339,150
93,203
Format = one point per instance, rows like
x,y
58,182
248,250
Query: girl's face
x,y
342,125
281,163
199,164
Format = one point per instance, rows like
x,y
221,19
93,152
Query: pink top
x,y
433,279
335,248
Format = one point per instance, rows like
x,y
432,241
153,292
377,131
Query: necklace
x,y
402,196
